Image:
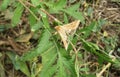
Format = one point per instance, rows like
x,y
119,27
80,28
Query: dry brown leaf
x,y
24,37
3,42
67,29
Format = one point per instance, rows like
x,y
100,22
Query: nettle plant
x,y
56,60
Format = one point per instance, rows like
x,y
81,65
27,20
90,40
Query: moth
x,y
66,30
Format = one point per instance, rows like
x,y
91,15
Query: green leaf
x,y
32,20
2,70
36,26
12,57
17,14
35,2
2,28
56,64
94,49
88,75
84,69
90,11
43,45
65,18
59,4
4,4
100,24
48,60
55,6
18,64
117,63
74,7
70,66
87,30
76,14
46,22
61,72
48,66
65,66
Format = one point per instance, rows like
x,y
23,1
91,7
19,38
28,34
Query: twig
x,y
50,16
41,10
29,4
104,68
73,47
29,10
107,66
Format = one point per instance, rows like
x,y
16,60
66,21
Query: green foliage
x,y
19,65
2,70
76,15
4,4
93,48
90,11
88,75
88,29
35,2
55,7
65,18
36,26
59,4
43,45
56,61
74,12
48,65
17,14
74,7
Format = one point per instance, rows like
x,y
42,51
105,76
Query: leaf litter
x,y
12,39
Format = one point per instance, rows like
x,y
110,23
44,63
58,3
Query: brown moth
x,y
66,30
